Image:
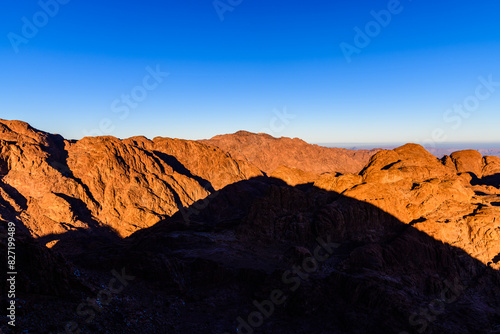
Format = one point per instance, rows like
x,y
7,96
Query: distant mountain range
x,y
483,148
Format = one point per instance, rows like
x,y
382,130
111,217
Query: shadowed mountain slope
x,y
341,266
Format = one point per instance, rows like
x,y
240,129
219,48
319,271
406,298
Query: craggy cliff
x,y
55,185
269,153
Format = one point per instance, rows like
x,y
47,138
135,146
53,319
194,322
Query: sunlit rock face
x,y
268,153
455,199
55,185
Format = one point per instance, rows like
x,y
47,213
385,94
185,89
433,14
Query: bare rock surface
x,y
268,153
55,185
455,200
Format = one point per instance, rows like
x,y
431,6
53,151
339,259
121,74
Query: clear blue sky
x,y
73,71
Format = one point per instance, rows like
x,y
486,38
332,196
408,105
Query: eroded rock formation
x,y
268,153
55,185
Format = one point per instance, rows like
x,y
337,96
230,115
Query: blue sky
x,y
262,59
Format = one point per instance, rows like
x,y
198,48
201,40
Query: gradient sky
x,y
264,57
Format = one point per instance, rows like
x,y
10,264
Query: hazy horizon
x,y
449,145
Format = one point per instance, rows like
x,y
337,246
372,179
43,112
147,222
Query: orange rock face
x,y
453,200
55,185
269,153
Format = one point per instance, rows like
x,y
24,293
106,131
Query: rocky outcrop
x,y
410,161
455,199
441,152
268,153
294,176
55,185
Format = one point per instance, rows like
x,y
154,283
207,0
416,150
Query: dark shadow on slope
x,y
201,272
41,274
7,209
81,210
79,240
181,169
58,159
491,180
4,168
390,165
416,221
15,195
238,247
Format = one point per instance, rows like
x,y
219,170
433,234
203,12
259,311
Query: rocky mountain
x,y
54,185
269,153
208,241
440,152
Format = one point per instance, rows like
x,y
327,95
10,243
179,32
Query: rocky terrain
x,y
441,152
247,233
55,185
269,153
